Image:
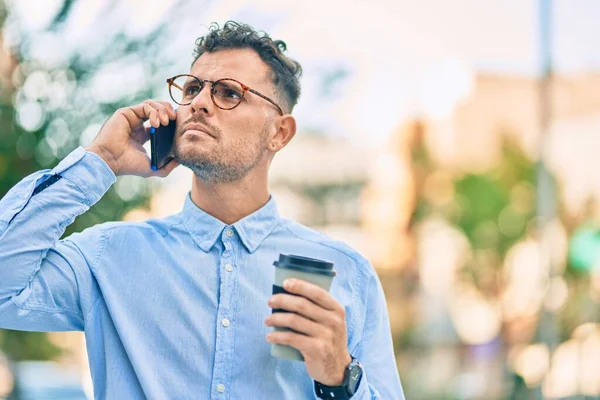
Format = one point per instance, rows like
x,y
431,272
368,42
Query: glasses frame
x,y
201,82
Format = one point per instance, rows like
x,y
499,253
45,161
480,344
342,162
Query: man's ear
x,y
286,129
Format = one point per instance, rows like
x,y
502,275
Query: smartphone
x,y
161,145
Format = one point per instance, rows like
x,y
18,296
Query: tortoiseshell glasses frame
x,y
226,93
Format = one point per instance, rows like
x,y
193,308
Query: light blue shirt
x,y
174,308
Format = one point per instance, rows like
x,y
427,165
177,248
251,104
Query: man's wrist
x,y
106,156
346,364
344,389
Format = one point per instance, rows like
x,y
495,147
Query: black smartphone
x,y
161,145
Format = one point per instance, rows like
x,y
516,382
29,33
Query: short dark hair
x,y
236,35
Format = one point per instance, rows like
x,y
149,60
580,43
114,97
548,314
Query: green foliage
x,y
494,209
27,345
496,206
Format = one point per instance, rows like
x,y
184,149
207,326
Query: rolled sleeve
x,y
88,172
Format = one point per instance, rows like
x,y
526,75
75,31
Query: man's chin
x,y
192,156
191,151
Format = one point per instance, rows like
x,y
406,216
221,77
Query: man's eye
x,y
227,91
191,90
232,94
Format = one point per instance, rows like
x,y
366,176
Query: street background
x,y
453,143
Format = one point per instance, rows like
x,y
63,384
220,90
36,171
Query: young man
x,y
180,307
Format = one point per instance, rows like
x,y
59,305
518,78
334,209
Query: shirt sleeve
x,y
45,283
375,349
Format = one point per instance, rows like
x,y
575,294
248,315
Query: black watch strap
x,y
331,392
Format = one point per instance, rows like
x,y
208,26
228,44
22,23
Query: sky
x,y
385,59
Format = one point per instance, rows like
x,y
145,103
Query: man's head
x,y
219,139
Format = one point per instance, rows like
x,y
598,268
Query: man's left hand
x,y
321,325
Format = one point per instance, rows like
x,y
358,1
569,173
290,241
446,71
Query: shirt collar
x,y
252,229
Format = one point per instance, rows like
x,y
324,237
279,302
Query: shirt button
x,y
229,267
225,322
220,388
229,233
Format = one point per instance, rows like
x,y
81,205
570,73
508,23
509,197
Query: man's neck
x,y
230,202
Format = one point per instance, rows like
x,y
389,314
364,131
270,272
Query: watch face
x,y
354,378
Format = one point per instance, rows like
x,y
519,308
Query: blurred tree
x,y
55,93
493,208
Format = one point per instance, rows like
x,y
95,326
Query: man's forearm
x,y
35,213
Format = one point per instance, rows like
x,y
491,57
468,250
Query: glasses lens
x,y
184,89
227,93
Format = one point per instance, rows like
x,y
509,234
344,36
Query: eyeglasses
x,y
226,93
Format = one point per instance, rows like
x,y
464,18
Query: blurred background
x,y
453,143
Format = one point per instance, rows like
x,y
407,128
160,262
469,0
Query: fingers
x,y
314,293
297,340
141,134
299,305
155,112
296,322
164,109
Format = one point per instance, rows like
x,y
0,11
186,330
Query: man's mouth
x,y
198,129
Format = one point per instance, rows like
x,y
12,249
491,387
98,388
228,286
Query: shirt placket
x,y
225,320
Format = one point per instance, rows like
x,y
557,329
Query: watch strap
x,y
331,392
342,392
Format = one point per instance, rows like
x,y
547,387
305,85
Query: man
x,y
180,307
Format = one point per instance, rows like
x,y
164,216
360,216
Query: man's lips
x,y
199,128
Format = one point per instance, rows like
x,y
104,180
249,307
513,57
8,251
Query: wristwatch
x,y
349,386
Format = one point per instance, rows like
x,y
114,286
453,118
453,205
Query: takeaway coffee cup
x,y
315,271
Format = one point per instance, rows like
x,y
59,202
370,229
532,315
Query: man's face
x,y
226,144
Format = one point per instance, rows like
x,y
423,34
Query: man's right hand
x,y
120,140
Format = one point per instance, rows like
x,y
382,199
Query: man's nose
x,y
203,100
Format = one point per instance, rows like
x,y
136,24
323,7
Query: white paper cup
x,y
315,271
